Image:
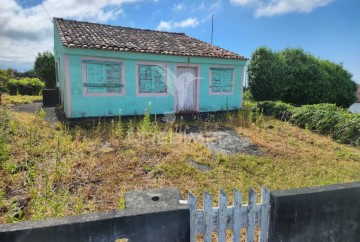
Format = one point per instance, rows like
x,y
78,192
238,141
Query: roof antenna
x,y
212,27
46,12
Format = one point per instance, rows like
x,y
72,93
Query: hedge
x,y
25,86
278,109
327,119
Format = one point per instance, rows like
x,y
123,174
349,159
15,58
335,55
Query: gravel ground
x,y
226,141
51,115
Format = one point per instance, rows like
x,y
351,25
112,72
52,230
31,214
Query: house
x,y
103,70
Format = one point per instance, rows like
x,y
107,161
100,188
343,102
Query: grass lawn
x,y
52,170
19,99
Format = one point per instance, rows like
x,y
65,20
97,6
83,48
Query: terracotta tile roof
x,y
77,34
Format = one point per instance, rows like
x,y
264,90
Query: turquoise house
x,y
103,70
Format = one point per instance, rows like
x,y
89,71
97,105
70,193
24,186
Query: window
x,y
152,79
221,80
103,77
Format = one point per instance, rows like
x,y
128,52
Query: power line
x,y
46,12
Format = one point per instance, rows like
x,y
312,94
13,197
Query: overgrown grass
x,y
54,171
19,99
324,118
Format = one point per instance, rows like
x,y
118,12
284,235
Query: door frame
x,y
197,86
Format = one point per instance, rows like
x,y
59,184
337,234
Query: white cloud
x,y
210,9
190,22
26,31
278,7
179,7
167,26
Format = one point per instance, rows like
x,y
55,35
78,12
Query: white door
x,y
185,89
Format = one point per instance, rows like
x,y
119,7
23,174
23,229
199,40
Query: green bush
x,y
278,109
25,86
12,86
295,76
348,130
319,117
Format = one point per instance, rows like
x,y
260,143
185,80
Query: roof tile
x,y
77,34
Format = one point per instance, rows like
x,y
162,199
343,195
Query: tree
x,y
297,77
263,74
29,73
45,68
304,79
5,76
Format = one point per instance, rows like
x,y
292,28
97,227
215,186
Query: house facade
x,y
105,70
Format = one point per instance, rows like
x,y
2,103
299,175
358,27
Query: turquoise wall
x,y
130,104
59,54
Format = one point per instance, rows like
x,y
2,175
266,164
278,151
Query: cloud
x,y
167,26
179,7
210,9
25,31
266,8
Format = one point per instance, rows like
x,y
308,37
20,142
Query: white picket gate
x,y
220,219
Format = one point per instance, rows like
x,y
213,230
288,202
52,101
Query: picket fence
x,y
222,218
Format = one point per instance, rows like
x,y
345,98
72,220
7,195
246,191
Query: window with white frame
x,y
152,79
103,77
221,80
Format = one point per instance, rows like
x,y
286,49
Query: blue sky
x,y
329,29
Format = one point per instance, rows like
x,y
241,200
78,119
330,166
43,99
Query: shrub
x,y
5,76
12,86
25,86
319,117
348,130
327,119
278,109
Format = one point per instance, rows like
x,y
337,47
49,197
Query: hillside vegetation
x,y
53,170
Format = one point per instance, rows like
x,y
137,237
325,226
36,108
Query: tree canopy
x,y
45,68
5,76
297,77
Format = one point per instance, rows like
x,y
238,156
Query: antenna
x,y
46,11
212,27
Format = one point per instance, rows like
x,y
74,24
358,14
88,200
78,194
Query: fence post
x,y
193,217
265,206
250,231
237,216
220,219
208,217
222,215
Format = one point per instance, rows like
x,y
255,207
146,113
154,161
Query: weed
x,y
67,171
40,113
121,204
119,129
4,151
130,130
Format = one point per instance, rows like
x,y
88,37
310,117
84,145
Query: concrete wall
x,y
154,215
76,105
329,213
